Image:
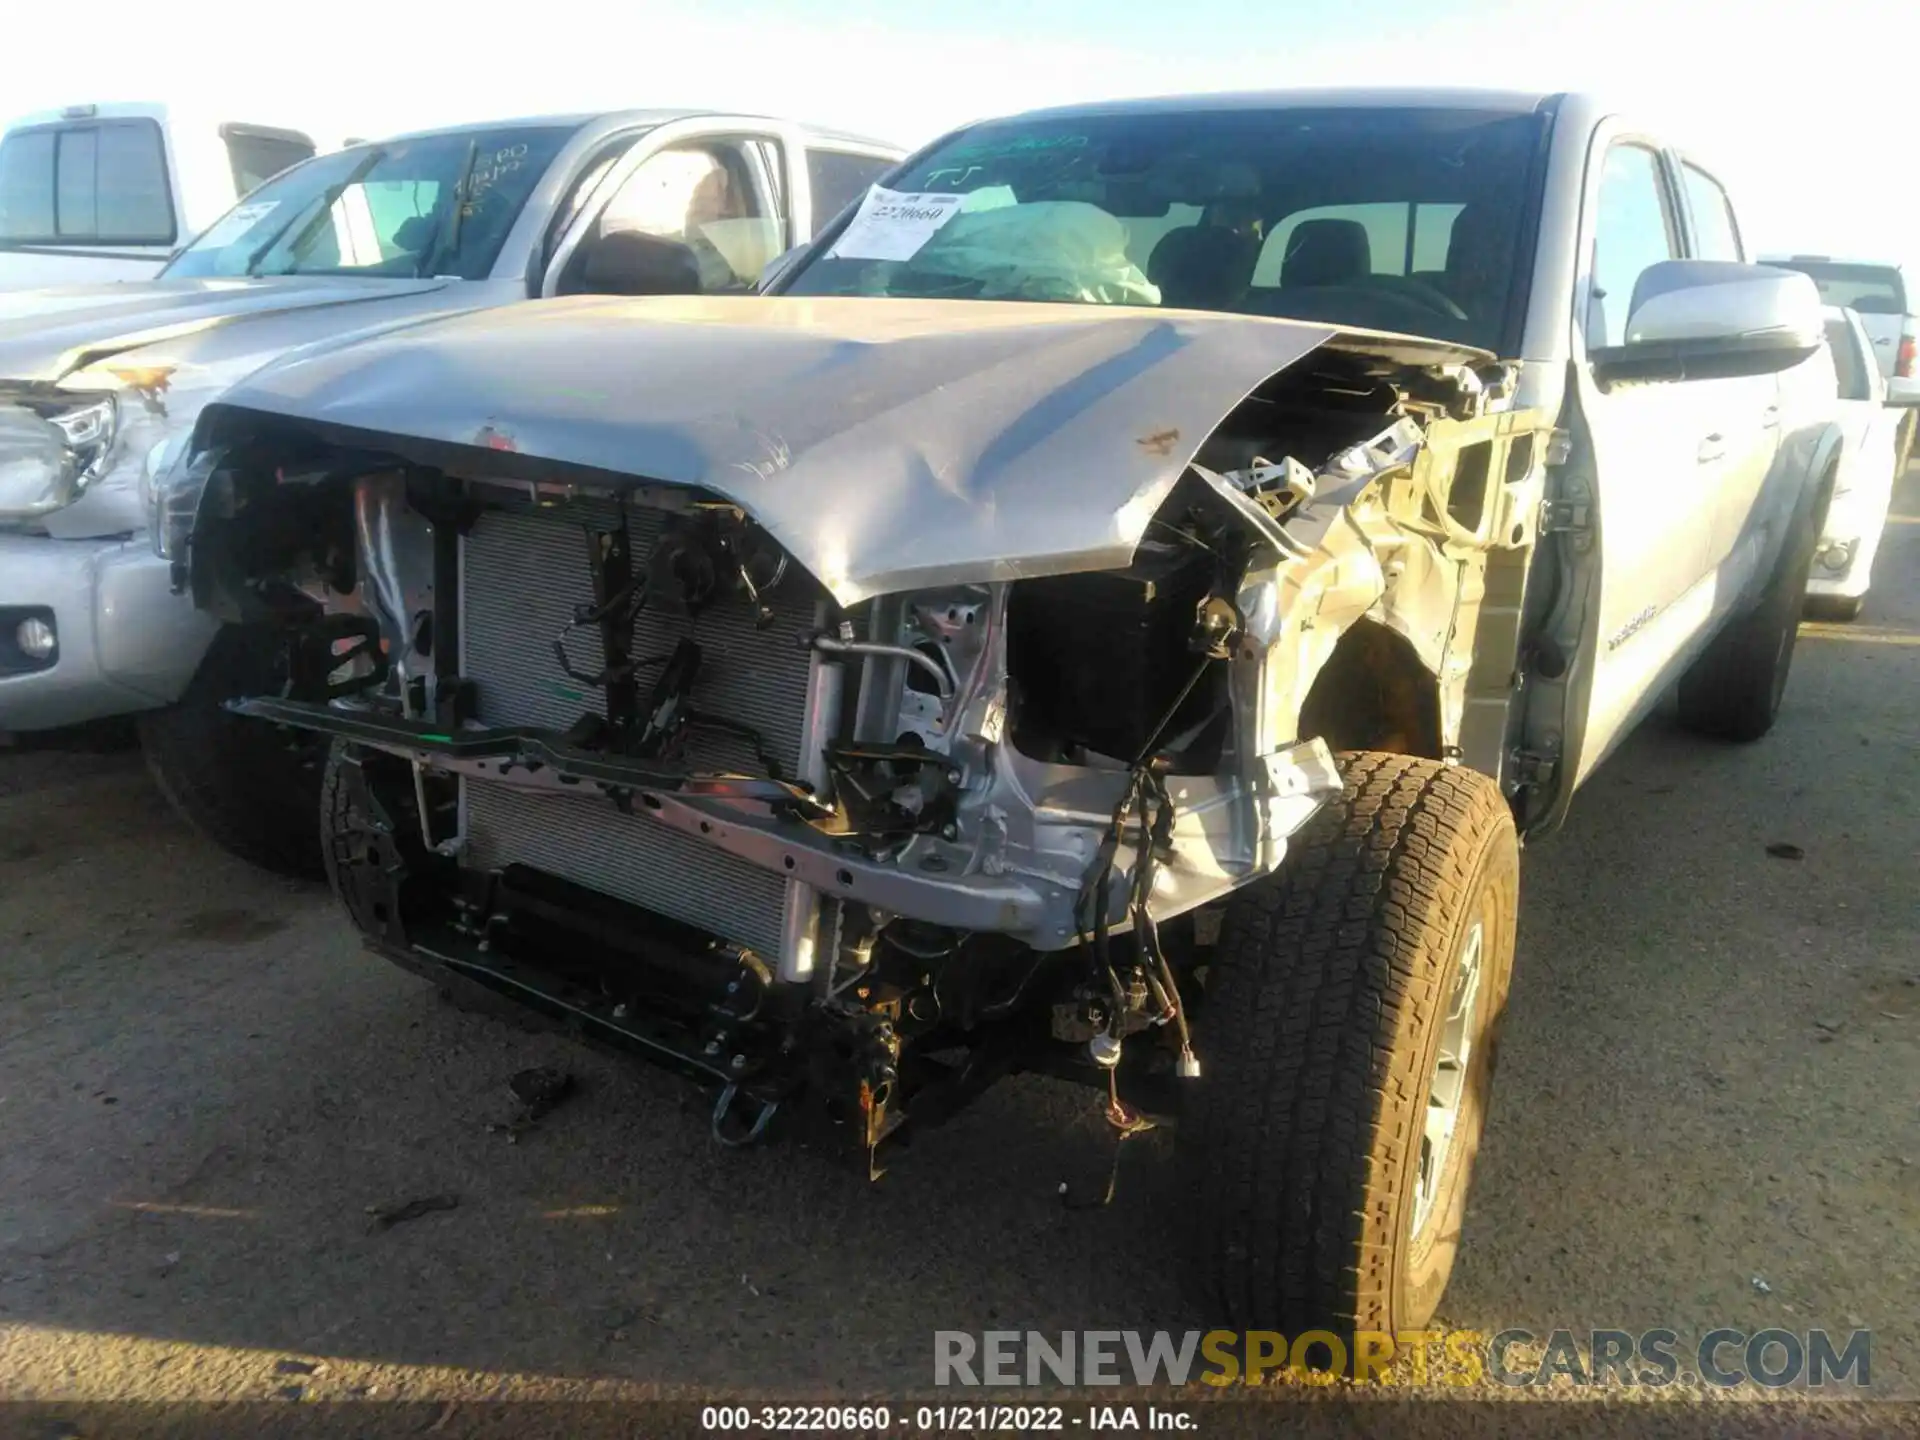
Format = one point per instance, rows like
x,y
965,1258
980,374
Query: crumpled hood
x,y
45,334
884,443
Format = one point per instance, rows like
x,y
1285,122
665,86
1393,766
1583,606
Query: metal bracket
x,y
320,649
1529,767
1559,517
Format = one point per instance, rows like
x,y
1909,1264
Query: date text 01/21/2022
x,y
870,1419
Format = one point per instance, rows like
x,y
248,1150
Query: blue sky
x,y
1810,110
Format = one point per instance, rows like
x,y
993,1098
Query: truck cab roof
x,y
1517,102
625,119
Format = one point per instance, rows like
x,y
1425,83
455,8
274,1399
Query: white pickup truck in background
x,y
100,385
109,192
1890,311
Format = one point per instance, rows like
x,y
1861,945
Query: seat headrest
x,y
1481,237
631,262
1326,252
1202,267
413,233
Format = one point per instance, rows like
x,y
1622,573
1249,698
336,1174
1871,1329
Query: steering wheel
x,y
1416,289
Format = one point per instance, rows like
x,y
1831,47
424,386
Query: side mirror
x,y
627,262
1709,319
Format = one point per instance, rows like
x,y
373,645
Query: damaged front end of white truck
x,y
852,703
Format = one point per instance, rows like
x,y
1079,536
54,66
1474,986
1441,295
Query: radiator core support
x,y
526,572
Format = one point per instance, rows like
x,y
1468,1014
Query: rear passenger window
x,y
1634,229
1716,236
96,183
76,182
132,200
838,179
26,185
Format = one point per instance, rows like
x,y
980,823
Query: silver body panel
x,y
885,444
126,642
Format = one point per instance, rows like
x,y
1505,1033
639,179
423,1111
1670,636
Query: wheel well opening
x,y
1374,694
1823,496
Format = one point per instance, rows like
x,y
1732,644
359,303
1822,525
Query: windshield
x,y
1391,219
383,209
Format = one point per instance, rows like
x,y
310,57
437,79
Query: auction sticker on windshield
x,y
893,225
236,223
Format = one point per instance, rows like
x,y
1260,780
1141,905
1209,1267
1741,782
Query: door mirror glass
x,y
631,262
1701,319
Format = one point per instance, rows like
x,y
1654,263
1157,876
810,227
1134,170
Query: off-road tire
x,y
1325,1003
1733,691
251,788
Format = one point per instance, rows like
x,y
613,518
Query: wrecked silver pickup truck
x,y
852,694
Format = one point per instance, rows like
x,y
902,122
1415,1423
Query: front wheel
x,y
1353,1010
251,788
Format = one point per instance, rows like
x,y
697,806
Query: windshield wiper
x,y
431,251
327,199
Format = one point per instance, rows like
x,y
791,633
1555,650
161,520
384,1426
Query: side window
x,y
704,196
568,209
838,180
256,156
26,185
76,164
132,200
1633,229
1716,235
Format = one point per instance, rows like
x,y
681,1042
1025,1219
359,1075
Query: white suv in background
x,y
1886,304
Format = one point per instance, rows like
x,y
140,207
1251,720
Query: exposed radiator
x,y
523,572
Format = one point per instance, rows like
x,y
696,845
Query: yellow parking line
x,y
1860,635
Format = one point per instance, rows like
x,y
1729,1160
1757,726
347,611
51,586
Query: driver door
x,y
719,189
1655,464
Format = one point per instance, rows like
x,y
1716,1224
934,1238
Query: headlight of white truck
x,y
49,455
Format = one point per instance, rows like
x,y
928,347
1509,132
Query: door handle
x,y
1770,417
1714,447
